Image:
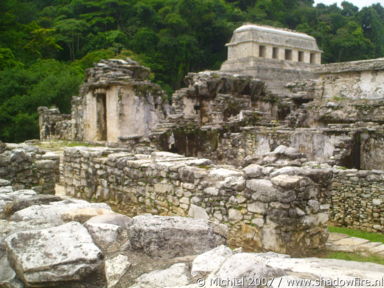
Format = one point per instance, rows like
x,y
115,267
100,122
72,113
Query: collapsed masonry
x,y
266,207
334,121
27,167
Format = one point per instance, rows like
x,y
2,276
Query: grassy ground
x,y
374,237
60,145
353,257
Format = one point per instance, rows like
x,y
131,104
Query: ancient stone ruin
x,y
51,241
271,54
302,153
261,155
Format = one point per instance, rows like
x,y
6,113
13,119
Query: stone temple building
x,y
272,54
284,142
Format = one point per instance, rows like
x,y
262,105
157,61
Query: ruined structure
x,y
116,102
272,54
26,167
304,147
266,208
49,241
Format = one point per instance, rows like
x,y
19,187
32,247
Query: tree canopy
x,y
45,45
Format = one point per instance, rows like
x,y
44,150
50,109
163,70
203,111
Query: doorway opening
x,y
101,116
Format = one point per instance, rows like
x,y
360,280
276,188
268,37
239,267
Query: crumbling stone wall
x,y
117,101
358,199
267,208
234,145
26,166
353,80
54,125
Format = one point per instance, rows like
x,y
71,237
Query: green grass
x,y
374,237
61,144
353,257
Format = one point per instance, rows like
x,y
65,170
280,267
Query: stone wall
x,y
353,80
29,167
358,199
234,145
54,125
116,101
264,207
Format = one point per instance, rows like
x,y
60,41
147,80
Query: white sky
x,y
358,3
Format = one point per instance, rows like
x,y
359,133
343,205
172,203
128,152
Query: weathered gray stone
x,y
234,215
257,207
253,171
63,253
120,220
210,261
105,236
83,214
263,190
20,203
53,212
8,277
173,236
115,268
175,276
197,212
247,266
287,181
4,182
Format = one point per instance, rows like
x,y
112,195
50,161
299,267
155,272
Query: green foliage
x,y
374,237
45,83
172,37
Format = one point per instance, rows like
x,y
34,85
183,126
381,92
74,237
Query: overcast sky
x,y
358,3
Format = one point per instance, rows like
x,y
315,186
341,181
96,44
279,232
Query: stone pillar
x,y
268,52
295,55
307,57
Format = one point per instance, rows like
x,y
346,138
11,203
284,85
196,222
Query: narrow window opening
x,y
301,56
262,51
275,53
288,54
197,108
101,117
312,58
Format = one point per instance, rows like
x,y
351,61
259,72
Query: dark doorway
x,y
101,117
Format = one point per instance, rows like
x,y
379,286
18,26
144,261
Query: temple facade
x,y
274,55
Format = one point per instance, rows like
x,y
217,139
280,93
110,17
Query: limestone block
x,y
120,220
83,214
4,182
171,236
253,171
197,212
263,190
211,191
8,277
287,181
115,268
247,266
210,261
20,203
257,207
175,276
105,236
52,212
234,215
62,253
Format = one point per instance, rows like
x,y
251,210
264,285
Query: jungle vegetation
x,y
46,45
